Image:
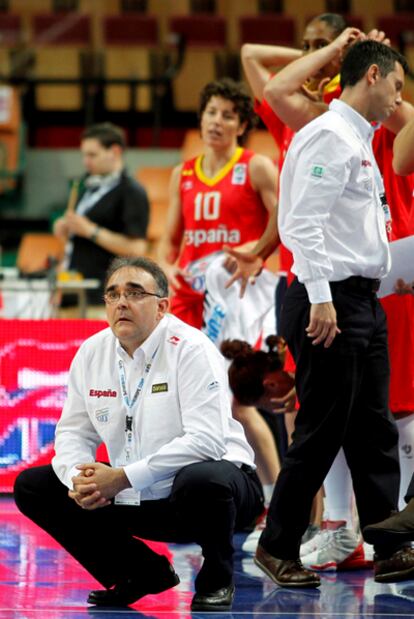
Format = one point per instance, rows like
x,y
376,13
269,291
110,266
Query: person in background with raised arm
x,y
259,62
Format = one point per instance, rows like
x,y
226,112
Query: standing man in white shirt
x,y
333,218
154,390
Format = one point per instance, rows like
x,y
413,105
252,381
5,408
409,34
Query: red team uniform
x,y
399,309
224,210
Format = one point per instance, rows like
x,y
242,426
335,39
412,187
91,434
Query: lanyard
x,y
130,404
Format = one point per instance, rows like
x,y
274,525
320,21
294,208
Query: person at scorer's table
x,y
107,214
155,391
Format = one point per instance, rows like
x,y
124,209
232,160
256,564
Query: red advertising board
x,y
35,357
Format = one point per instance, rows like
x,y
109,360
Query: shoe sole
x,y
355,561
99,600
310,585
395,576
379,536
332,566
103,604
211,608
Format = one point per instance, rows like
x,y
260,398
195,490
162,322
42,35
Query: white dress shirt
x,y
330,212
182,416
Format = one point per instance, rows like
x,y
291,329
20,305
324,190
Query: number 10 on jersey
x,y
207,206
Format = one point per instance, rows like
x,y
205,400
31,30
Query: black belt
x,y
247,469
359,284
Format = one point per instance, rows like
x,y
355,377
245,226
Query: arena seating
x,y
273,28
130,44
60,43
205,57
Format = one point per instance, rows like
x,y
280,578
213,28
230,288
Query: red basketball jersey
x,y
224,210
399,309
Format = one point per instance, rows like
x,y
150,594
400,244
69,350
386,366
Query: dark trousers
x,y
208,502
343,395
279,420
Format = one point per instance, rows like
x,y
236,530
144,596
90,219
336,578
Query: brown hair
x,y
106,133
236,92
249,367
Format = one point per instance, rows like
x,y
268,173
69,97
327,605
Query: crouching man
x,y
153,390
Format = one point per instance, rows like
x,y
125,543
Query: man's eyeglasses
x,y
113,296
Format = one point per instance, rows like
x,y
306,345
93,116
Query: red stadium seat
x,y
205,36
200,30
61,29
59,39
10,29
396,25
268,29
10,36
130,44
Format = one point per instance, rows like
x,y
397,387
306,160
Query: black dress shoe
x,y
131,590
397,567
216,601
399,527
285,572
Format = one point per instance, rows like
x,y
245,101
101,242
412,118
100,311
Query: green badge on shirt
x,y
159,387
317,171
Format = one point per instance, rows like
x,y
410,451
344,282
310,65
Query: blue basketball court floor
x,y
40,580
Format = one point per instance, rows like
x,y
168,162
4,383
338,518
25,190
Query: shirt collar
x,y
149,345
354,118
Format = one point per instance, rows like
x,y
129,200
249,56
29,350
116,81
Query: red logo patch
x,y
174,340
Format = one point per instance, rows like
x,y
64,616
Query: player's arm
x,y
264,179
284,92
170,242
403,161
258,60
